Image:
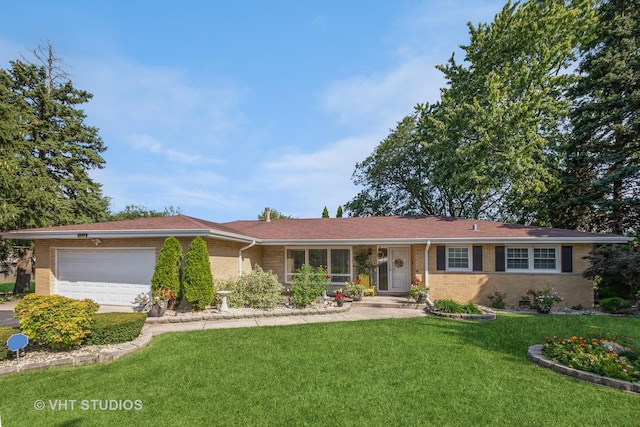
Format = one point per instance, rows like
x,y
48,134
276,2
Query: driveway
x,y
6,314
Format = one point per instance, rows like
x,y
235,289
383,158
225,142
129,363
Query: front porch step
x,y
384,301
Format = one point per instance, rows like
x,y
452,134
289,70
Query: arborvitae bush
x,y
198,281
169,267
113,328
55,321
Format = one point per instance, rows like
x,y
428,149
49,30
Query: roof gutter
x,y
240,256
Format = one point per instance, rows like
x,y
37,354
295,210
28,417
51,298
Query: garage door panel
x,y
112,277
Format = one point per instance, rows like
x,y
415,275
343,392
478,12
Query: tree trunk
x,y
23,271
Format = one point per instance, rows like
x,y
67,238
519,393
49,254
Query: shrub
x,y
113,328
451,306
257,289
615,305
198,281
5,333
308,284
55,321
167,271
497,299
611,356
543,301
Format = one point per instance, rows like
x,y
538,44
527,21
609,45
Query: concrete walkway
x,y
383,309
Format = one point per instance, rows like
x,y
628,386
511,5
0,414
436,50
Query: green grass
x,y
8,286
418,371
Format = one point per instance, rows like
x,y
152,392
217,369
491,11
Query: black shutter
x,y
477,258
567,259
441,258
500,258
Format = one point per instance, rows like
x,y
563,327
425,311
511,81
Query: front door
x,y
400,269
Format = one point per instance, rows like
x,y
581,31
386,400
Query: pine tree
x,y
339,212
325,212
47,150
603,166
198,280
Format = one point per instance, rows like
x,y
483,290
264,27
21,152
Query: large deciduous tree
x,y
490,147
602,181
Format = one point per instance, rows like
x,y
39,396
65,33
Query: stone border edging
x,y
104,355
197,317
535,354
486,315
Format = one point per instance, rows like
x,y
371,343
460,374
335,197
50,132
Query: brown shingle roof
x,y
323,230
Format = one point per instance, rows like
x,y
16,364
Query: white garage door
x,y
107,276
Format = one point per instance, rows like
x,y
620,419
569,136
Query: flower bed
x,y
611,356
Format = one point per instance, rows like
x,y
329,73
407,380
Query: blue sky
x,y
222,108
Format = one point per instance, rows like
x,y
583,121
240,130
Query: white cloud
x,y
152,145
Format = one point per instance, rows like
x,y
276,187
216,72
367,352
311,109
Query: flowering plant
x,y
352,288
146,302
544,300
339,296
611,356
164,294
417,290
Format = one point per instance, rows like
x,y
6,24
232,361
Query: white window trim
x,y
306,261
469,258
530,255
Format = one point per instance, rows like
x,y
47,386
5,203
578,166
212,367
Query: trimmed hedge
x,y
168,270
5,333
55,321
615,305
114,328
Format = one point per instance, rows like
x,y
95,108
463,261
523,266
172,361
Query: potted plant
x,y
354,290
339,298
154,305
418,292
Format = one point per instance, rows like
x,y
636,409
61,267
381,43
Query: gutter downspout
x,y
426,269
240,256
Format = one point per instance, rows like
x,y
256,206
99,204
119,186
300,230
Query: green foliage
x,y
308,284
113,328
48,150
339,212
451,306
352,288
325,212
611,356
616,270
198,280
615,305
257,289
417,291
140,211
55,321
497,299
5,333
603,168
167,271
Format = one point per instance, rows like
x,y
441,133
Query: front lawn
x,y
417,371
8,286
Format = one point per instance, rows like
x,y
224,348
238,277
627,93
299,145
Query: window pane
x,y
458,258
518,258
544,258
295,260
318,257
340,265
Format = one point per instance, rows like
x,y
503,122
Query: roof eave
x,y
125,234
447,240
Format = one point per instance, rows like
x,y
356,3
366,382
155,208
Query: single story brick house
x,y
463,259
